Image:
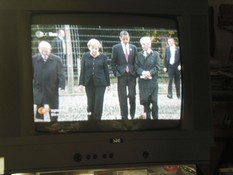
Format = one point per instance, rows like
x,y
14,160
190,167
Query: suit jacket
x,y
95,69
147,87
151,63
119,62
57,47
47,78
168,55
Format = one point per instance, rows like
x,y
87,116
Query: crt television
x,y
183,131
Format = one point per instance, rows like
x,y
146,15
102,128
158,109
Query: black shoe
x,y
169,96
132,116
148,116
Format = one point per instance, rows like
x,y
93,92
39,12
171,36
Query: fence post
x,y
70,70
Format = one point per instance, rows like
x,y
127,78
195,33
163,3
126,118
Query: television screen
x,y
64,99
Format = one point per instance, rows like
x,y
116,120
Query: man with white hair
x,y
147,67
48,77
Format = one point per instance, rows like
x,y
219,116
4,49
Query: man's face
x,y
145,46
125,39
44,51
62,34
171,42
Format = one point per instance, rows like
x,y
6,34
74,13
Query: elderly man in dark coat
x,y
48,78
147,66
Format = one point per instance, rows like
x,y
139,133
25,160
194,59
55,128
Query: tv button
x,y
77,157
111,155
145,154
88,156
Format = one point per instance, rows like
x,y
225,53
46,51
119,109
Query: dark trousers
x,y
126,87
95,99
148,110
152,100
173,74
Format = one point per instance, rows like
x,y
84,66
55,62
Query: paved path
x,y
73,106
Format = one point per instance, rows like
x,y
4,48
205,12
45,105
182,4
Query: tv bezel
x,y
25,151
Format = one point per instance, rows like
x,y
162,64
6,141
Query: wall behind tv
x,y
223,38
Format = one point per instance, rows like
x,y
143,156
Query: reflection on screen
x,y
70,46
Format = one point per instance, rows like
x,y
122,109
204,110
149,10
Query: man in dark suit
x,y
172,66
147,66
123,67
48,77
59,46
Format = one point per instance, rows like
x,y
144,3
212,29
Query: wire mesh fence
x,y
77,37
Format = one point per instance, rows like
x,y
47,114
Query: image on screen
x,y
59,96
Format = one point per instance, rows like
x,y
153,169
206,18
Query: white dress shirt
x,y
172,58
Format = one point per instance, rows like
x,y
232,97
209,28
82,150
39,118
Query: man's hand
x,y
146,75
179,67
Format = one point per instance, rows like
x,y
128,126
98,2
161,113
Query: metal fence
x,y
77,37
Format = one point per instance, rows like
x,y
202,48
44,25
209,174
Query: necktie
x,y
126,57
126,53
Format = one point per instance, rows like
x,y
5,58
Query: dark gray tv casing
x,y
26,151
